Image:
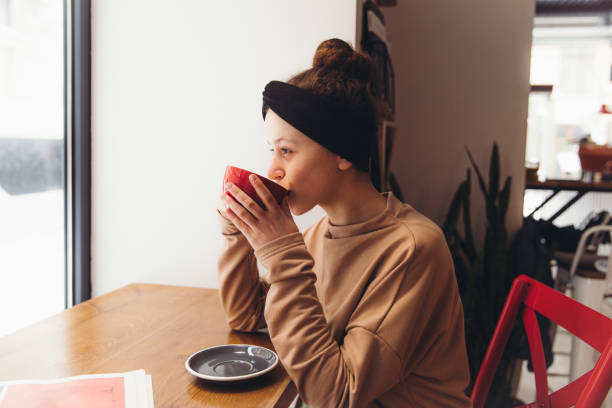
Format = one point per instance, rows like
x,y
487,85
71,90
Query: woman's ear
x,y
343,164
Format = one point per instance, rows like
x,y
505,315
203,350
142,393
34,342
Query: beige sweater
x,y
363,315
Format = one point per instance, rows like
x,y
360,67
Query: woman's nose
x,y
275,172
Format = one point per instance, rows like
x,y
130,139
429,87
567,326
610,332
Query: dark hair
x,y
339,73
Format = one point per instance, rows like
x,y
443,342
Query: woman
x,y
363,308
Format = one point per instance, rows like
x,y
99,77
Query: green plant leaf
x,y
489,204
475,166
452,216
494,173
470,246
504,199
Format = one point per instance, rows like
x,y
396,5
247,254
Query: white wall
x,y
176,97
462,78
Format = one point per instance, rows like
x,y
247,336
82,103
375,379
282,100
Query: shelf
x,y
569,185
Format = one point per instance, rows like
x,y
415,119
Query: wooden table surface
x,y
153,327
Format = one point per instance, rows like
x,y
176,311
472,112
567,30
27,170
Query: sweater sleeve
x,y
327,374
241,289
387,335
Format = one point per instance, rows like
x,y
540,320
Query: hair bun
x,y
336,54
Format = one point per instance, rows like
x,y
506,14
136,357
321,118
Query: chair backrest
x,y
598,229
528,296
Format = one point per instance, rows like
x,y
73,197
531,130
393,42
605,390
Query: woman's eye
x,y
284,151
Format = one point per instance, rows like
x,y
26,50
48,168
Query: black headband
x,y
348,131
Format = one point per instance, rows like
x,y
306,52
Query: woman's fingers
x,y
246,201
238,211
237,221
263,192
222,206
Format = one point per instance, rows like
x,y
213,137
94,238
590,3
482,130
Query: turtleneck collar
x,y
377,222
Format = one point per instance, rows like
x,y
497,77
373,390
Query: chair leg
x,y
599,384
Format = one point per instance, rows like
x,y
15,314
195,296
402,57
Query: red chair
x,y
529,296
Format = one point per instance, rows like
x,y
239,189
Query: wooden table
x,y
154,327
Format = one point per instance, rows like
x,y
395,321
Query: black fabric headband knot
x,y
348,131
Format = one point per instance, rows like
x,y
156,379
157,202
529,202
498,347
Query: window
x,y
44,158
571,77
31,161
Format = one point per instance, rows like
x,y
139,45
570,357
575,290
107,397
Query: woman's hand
x,y
222,207
258,225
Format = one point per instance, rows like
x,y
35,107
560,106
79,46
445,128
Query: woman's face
x,y
300,165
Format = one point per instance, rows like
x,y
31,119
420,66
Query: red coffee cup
x,y
240,178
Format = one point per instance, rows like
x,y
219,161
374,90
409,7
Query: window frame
x,y
77,148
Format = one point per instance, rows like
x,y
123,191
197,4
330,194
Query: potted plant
x,y
484,274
